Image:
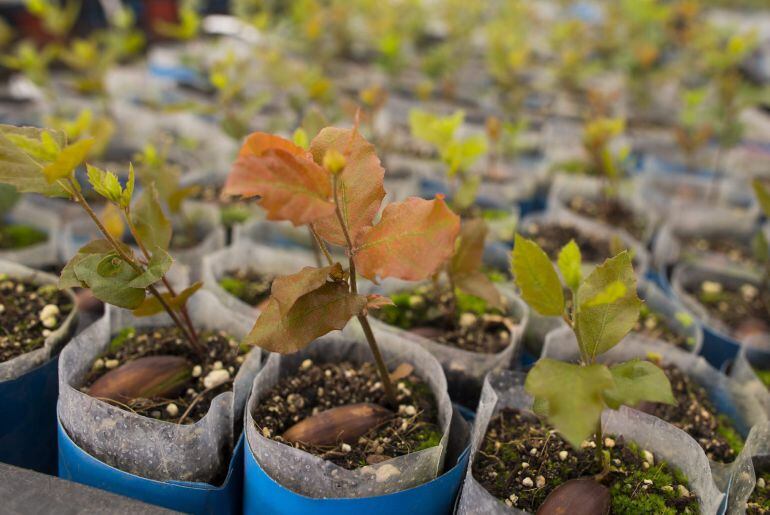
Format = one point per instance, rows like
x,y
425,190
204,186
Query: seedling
x,y
32,63
336,189
57,19
186,28
85,125
41,161
603,308
694,127
760,244
457,154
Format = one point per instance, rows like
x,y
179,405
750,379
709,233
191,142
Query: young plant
x,y
56,19
41,161
336,189
457,154
694,128
604,307
760,244
186,28
32,62
85,125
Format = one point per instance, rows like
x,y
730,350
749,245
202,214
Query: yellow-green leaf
x,y
536,278
68,159
151,224
637,381
763,196
152,306
22,170
569,262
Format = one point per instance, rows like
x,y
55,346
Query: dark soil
x,y
473,327
521,461
318,387
224,352
551,238
695,414
19,236
249,286
653,325
759,501
741,308
21,305
611,212
732,250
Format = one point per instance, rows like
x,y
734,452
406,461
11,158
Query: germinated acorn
x,y
345,424
154,376
577,497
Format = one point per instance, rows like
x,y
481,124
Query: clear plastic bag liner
x,y
151,448
729,397
312,476
740,476
690,276
20,365
245,255
668,250
566,187
280,234
505,389
589,227
742,371
41,254
203,216
459,365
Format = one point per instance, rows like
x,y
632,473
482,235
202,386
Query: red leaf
x,y
288,288
411,241
257,143
360,183
292,188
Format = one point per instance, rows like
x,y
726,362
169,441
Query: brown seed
x,y
345,423
154,376
577,497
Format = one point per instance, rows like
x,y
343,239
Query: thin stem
x,y
321,245
387,384
80,199
166,283
316,249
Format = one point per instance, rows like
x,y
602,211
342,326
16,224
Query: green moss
x,y
19,236
496,276
764,376
427,438
470,304
120,338
728,432
233,286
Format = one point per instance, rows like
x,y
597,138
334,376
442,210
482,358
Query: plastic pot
x,y
144,446
313,477
465,370
742,371
262,494
719,345
77,465
28,390
246,255
41,254
740,478
505,389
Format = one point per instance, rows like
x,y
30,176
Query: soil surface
x,y
19,236
759,501
318,387
521,461
28,314
611,212
224,352
473,327
732,250
742,308
551,238
695,414
250,286
654,325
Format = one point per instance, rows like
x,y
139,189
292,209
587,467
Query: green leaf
x,y
108,277
105,184
607,306
128,192
574,395
160,262
460,155
152,306
68,279
569,262
67,160
313,315
21,170
151,224
465,196
434,129
763,196
536,278
637,381
760,247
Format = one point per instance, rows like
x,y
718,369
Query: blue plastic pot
x,y
199,498
718,348
261,494
28,422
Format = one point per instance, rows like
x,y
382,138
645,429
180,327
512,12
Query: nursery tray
x,y
25,491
